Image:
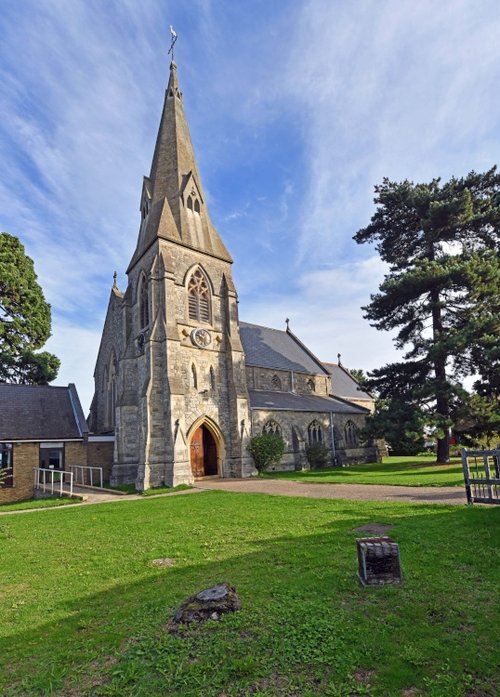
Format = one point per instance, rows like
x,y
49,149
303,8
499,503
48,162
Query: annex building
x,y
179,380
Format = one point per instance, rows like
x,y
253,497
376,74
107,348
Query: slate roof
x,y
344,385
274,348
40,412
269,399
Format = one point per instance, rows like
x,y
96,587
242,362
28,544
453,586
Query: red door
x,y
197,464
203,453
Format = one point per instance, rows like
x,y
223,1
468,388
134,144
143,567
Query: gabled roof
x,y
40,412
344,385
290,401
274,348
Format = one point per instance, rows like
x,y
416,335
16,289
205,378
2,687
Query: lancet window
x,y
193,203
143,302
276,383
194,377
351,435
314,432
110,377
199,298
272,427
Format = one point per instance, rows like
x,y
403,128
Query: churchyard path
x,y
353,492
286,487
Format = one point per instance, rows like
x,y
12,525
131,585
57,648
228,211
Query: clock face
x,y
201,337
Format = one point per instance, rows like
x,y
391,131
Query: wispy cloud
x,y
296,110
405,90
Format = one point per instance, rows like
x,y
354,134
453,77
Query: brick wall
x,y
100,454
24,458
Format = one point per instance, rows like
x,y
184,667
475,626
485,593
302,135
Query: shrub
x,y
266,449
318,456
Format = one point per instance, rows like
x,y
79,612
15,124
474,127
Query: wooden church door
x,y
203,453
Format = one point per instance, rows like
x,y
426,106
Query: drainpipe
x,y
332,436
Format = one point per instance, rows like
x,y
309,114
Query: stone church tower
x,y
170,375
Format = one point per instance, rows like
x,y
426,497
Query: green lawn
x,y
398,471
38,503
83,611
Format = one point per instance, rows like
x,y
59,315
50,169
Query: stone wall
x,y
259,378
294,431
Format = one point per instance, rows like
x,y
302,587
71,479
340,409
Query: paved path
x,y
285,487
356,492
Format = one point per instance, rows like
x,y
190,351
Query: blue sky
x,y
296,109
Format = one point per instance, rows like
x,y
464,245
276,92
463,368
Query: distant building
x,y
179,380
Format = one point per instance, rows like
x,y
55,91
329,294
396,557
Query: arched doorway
x,y
203,453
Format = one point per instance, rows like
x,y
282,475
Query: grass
x,y
165,489
154,491
38,503
397,471
83,610
64,500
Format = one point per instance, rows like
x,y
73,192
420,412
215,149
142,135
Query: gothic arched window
x,y
190,203
315,432
311,385
351,434
143,302
273,427
276,383
211,378
194,377
196,206
110,376
199,297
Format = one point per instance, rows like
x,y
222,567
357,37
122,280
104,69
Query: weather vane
x,y
173,35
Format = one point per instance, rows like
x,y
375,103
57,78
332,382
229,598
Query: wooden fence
x,y
481,475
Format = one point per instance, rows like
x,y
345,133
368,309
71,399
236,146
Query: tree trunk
x,y
443,450
440,357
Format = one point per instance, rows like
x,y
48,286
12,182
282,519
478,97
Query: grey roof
x,y
40,412
268,399
274,348
344,385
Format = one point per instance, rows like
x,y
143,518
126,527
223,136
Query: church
x,y
180,382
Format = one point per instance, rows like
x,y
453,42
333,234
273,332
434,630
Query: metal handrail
x,y
37,484
90,469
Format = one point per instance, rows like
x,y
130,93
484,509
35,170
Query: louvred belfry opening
x,y
199,298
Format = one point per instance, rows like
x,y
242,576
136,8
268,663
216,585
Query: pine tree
x,y
442,292
25,318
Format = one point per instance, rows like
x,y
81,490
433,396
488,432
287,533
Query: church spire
x,y
173,204
173,155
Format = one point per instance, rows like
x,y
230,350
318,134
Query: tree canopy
x,y
442,291
25,318
358,374
401,424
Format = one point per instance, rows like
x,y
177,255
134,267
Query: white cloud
x,y
400,90
352,92
76,349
